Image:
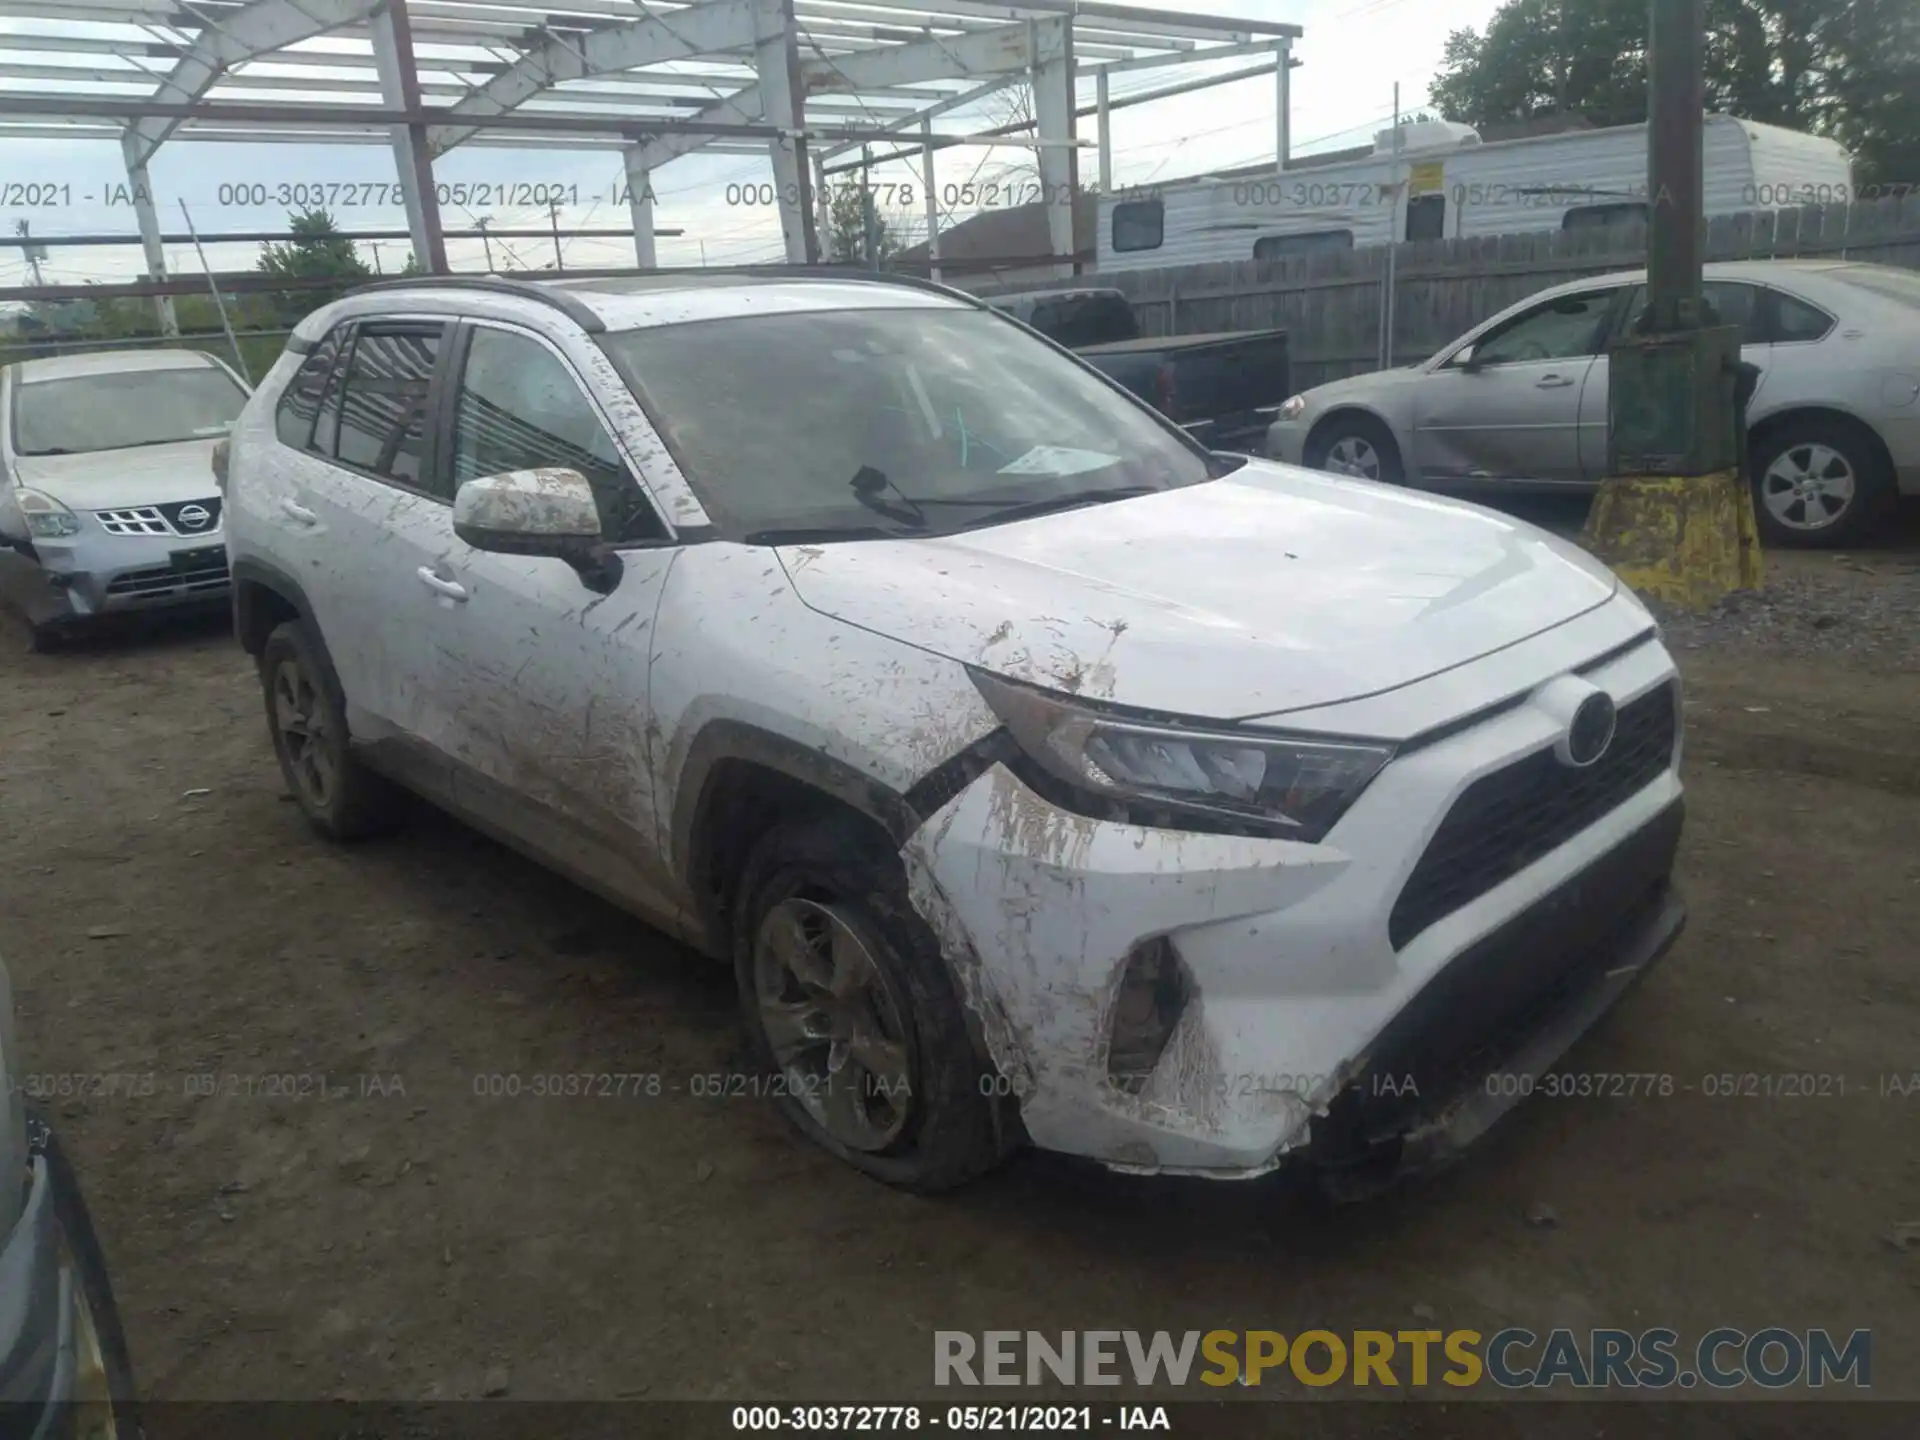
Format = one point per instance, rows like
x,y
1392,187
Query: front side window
x,y
520,408
1139,225
122,409
379,408
1561,329
910,421
1605,217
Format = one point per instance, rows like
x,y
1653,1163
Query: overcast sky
x,y
1353,52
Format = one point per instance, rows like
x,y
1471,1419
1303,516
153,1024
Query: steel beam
x,y
640,204
984,52
148,218
400,87
952,102
776,56
683,35
1053,115
257,29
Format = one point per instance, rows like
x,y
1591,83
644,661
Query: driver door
x,y
1511,415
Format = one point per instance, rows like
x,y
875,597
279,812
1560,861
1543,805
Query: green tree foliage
x,y
845,242
316,251
1845,68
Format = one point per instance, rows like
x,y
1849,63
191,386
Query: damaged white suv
x,y
1042,776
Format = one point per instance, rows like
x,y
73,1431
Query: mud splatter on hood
x,y
1273,589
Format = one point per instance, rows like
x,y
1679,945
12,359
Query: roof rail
x,y
571,305
782,270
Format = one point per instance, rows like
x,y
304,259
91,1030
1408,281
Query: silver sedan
x,y
1520,402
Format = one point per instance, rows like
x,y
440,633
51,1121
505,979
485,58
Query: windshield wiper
x,y
1056,503
819,534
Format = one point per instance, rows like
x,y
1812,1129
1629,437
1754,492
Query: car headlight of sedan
x,y
1179,776
47,518
1293,407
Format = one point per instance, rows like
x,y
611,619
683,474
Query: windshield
x,y
877,422
117,410
1901,285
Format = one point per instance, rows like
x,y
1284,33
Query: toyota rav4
x,y
1041,775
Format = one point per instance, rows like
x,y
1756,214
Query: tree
x,y
848,206
1845,68
316,251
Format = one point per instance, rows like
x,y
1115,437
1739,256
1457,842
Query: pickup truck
x,y
1217,386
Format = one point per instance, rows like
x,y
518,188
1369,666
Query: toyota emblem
x,y
1591,731
193,517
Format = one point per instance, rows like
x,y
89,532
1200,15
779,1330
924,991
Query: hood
x,y
1373,381
115,479
1270,590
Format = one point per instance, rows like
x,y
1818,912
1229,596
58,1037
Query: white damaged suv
x,y
1041,775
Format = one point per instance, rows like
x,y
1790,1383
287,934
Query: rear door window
x,y
293,417
376,419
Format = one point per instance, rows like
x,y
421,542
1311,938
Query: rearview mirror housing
x,y
549,512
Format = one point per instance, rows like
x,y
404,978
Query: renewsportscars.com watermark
x,y
1512,1359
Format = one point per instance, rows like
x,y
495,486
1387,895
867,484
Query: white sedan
x,y
1520,402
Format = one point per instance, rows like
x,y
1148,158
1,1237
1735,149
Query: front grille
x,y
1489,1000
1509,819
141,520
165,580
193,517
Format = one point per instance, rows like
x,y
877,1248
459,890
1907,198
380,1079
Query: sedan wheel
x,y
1354,455
1808,487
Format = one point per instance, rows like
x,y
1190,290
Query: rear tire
x,y
307,719
46,639
1355,445
1820,482
822,909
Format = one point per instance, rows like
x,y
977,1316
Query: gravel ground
x,y
167,914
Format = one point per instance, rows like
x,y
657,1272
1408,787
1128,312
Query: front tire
x,y
307,719
849,1006
1355,445
1819,482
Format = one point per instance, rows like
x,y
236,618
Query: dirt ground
x,y
167,913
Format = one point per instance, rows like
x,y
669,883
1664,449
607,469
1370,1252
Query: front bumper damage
x,y
78,578
1305,1032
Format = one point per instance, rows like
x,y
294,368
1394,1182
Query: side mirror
x,y
1463,359
546,512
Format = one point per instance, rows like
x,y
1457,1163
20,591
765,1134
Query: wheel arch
x,y
1771,423
264,597
736,781
1350,411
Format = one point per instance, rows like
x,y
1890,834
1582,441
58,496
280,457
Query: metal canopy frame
x,y
799,81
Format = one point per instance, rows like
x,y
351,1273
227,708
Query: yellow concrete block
x,y
1687,541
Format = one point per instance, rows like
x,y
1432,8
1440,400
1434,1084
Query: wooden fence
x,y
1331,302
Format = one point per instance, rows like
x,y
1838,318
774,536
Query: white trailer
x,y
1445,182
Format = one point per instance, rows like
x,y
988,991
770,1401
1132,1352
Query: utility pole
x,y
1390,273
486,241
870,239
1675,514
33,254
374,245
553,219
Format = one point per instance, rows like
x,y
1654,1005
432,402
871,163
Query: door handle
x,y
1552,382
440,585
298,513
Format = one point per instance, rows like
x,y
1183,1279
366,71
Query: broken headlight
x,y
1168,774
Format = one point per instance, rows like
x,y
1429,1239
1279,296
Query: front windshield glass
x,y
889,421
118,410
